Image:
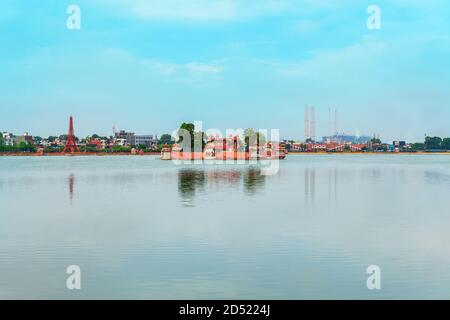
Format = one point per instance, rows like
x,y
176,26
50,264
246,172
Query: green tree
x,y
375,141
186,128
199,141
445,144
53,149
197,138
418,146
121,149
375,144
142,147
25,147
190,127
166,139
2,141
251,136
249,132
433,143
261,138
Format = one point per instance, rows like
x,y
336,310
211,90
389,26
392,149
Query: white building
x,y
121,142
8,139
45,143
146,140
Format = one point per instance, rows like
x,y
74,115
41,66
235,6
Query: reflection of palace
x,y
192,180
189,180
253,180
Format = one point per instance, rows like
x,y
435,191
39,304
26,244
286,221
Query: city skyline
x,y
309,127
146,66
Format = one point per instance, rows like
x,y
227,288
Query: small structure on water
x,y
226,149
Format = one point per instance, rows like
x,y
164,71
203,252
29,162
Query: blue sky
x,y
150,65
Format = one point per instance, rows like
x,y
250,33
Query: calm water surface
x,y
142,228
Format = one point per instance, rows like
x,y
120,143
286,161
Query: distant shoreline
x,y
80,154
373,153
102,154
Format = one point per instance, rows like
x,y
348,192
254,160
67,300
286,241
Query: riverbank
x,y
99,154
370,152
103,154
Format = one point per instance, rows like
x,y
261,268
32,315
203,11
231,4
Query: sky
x,y
147,66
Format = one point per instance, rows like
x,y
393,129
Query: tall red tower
x,y
71,145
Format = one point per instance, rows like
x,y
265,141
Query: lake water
x,y
142,228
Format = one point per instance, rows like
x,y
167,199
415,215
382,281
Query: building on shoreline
x,y
147,140
124,138
336,147
128,137
8,139
25,138
343,138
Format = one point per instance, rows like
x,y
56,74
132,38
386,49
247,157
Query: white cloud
x,y
335,66
197,67
164,67
193,73
180,69
354,58
306,26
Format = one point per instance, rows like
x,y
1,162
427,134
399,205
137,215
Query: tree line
x,y
21,147
198,139
432,143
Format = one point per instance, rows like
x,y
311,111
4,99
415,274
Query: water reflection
x,y
71,183
434,177
223,177
253,181
189,180
332,185
192,181
310,185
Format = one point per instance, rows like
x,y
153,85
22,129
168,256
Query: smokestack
x,y
330,126
307,135
335,122
313,123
